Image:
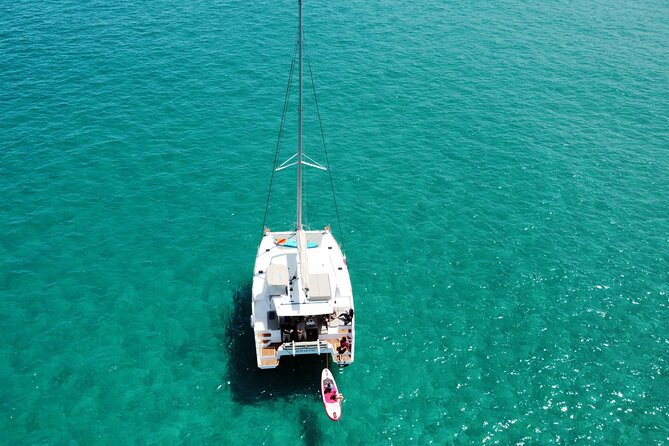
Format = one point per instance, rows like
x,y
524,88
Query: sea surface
x,y
502,179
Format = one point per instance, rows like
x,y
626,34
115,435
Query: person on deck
x,y
301,330
343,345
347,316
286,334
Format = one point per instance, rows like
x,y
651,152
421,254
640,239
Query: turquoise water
x,y
501,172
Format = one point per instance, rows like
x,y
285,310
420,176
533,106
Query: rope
x,y
325,149
279,139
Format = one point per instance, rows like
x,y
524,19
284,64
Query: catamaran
x,y
302,301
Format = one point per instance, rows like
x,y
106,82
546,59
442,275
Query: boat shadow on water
x,y
294,377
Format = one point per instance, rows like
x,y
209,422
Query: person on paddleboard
x,y
329,388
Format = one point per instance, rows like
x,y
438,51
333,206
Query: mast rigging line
x,y
325,149
280,138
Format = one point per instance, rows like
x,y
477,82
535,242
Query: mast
x,y
299,124
302,243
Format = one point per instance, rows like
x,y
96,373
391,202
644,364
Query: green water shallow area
x,y
501,175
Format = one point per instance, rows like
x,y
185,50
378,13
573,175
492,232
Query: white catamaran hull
x,y
287,320
302,302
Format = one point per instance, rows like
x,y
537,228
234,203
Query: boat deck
x,y
278,305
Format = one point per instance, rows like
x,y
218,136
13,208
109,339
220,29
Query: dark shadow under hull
x,y
295,376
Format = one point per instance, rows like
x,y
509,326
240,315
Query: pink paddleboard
x,y
332,405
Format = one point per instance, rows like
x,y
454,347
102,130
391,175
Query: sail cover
x,y
302,254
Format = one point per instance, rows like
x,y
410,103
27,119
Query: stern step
x,y
263,339
268,357
269,362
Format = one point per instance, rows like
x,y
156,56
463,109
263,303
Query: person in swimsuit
x,y
347,316
343,345
332,391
